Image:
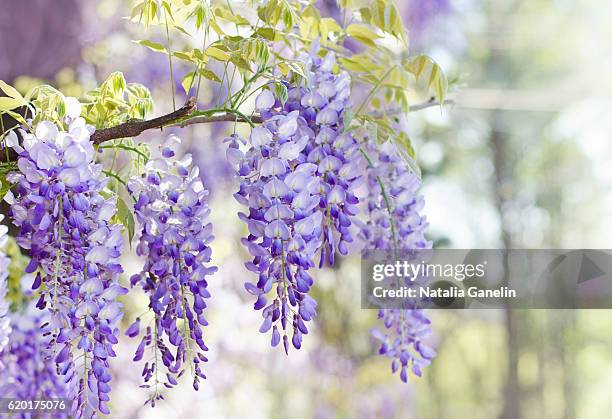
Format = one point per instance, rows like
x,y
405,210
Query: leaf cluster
x,y
116,101
258,43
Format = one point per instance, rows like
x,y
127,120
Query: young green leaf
x,y
217,53
188,81
11,92
208,74
125,217
281,92
8,103
153,46
363,34
226,14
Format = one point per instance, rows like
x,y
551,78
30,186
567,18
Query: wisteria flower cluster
x,y
171,206
28,373
323,102
283,222
297,178
64,221
5,328
395,225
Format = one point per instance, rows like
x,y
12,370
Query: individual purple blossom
x,y
28,373
64,221
5,326
172,210
394,225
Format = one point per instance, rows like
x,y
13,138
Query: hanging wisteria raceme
x,y
297,178
64,220
5,327
28,373
323,102
395,226
283,221
172,209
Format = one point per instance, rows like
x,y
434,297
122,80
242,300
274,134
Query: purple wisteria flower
x,y
395,225
64,220
172,210
5,326
28,373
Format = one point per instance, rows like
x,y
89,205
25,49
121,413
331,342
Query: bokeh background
x,y
522,160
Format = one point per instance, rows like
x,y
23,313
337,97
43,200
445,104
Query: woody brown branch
x,y
180,118
135,128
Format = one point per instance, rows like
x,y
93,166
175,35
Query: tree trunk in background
x,y
567,349
542,343
502,171
512,390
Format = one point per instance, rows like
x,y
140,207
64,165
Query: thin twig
x,y
413,108
429,104
226,117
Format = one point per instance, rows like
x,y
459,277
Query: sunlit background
x,y
523,159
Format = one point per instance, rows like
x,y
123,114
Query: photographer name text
x,y
454,292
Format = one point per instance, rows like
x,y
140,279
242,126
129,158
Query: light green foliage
x,y
13,98
5,168
280,90
384,15
46,98
249,36
125,216
112,103
145,11
49,103
423,67
274,12
116,101
363,34
153,46
15,296
258,44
